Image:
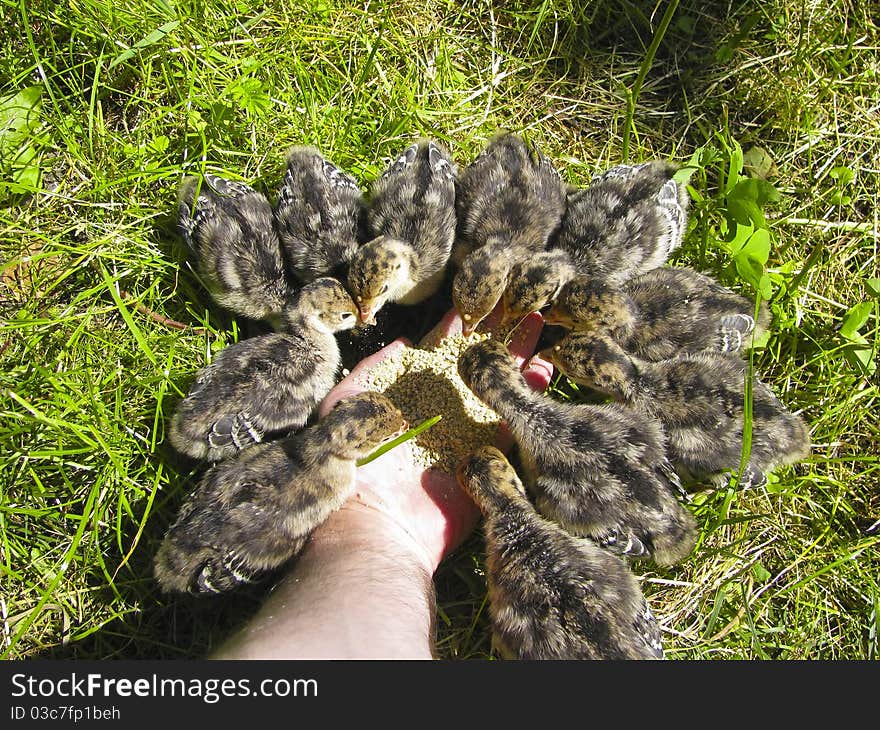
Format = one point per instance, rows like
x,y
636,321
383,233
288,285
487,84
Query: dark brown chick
x,y
598,471
251,514
412,218
625,223
700,400
552,595
661,314
318,216
228,229
510,200
268,384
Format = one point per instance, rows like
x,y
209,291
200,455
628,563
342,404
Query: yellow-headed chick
x,y
552,595
251,514
598,471
411,215
319,215
510,200
700,400
661,314
625,223
229,231
267,384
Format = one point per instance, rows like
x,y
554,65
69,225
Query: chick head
x,y
379,272
589,304
487,477
479,285
325,304
360,423
484,365
535,283
594,360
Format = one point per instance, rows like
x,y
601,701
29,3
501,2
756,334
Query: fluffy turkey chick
x,y
552,595
318,216
412,218
700,400
228,229
625,223
536,282
661,314
598,471
268,384
510,200
250,514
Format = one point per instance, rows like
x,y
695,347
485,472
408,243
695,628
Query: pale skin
x,y
362,588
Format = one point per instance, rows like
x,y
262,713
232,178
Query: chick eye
x,y
346,315
384,289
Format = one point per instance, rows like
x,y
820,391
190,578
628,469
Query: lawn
x,y
104,107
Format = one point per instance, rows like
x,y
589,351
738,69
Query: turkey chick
x,y
663,313
536,282
250,514
228,229
700,400
412,218
625,223
318,216
510,200
598,471
267,384
552,595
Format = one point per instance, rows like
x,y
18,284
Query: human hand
x,y
427,504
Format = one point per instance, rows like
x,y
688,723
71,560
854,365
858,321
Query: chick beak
x,y
468,325
548,353
367,314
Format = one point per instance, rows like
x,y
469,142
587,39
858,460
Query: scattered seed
x,y
423,382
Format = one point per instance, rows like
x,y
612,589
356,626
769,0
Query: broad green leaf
x,y
741,234
861,358
19,115
749,270
760,573
758,246
873,287
683,175
755,189
747,212
855,319
759,162
843,175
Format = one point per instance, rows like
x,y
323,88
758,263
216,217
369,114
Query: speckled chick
x,y
597,471
228,229
536,282
661,314
625,223
250,514
699,398
510,200
318,216
412,218
552,595
267,384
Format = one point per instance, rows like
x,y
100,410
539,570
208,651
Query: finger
x,y
353,383
524,338
449,326
538,373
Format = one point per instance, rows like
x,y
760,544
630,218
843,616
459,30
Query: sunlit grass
x,y
133,95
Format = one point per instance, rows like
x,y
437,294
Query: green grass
x,y
105,110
